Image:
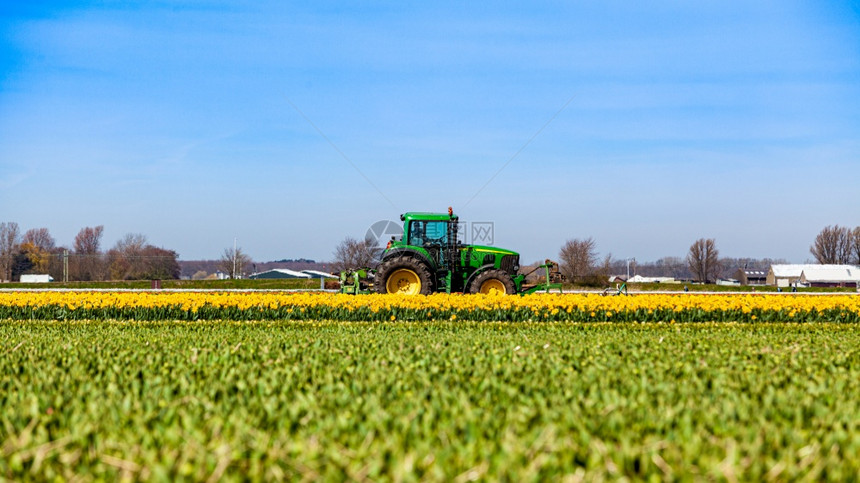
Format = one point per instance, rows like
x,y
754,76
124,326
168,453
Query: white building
x,y
641,279
280,273
318,274
785,275
729,282
814,274
830,276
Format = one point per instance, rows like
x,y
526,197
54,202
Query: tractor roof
x,y
414,215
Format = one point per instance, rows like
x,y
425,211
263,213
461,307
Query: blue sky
x,y
291,125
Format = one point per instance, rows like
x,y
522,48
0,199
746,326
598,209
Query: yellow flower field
x,y
538,307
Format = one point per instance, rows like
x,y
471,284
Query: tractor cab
x,y
427,233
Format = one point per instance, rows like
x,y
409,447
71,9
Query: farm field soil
x,y
221,400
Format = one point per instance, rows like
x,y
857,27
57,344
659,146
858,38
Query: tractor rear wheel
x,y
493,281
403,275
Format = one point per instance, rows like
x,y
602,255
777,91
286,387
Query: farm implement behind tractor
x,y
430,258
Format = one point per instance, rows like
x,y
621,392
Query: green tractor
x,y
430,258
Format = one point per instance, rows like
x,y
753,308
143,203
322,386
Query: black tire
x,y
399,264
500,276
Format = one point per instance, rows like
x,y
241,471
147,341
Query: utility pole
x,y
234,257
65,266
628,267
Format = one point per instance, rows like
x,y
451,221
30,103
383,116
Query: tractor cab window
x,y
428,233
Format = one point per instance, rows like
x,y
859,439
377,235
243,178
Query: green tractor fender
x,y
410,252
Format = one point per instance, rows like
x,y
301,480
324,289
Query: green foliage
x,y
428,401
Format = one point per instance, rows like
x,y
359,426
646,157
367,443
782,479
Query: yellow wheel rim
x,y
403,281
493,286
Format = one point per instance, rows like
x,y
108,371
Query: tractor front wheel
x,y
493,281
403,275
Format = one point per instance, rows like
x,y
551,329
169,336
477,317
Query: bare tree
x,y
704,260
88,263
602,272
9,239
159,263
125,259
39,237
352,253
673,267
578,258
234,262
833,245
88,240
855,245
131,243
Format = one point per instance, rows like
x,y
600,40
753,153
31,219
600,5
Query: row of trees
x,y
133,258
581,264
36,251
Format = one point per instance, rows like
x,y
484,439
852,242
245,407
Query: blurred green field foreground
x,y
441,401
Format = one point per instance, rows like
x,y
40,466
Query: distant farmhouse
x,y
751,276
810,275
218,275
785,275
830,276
